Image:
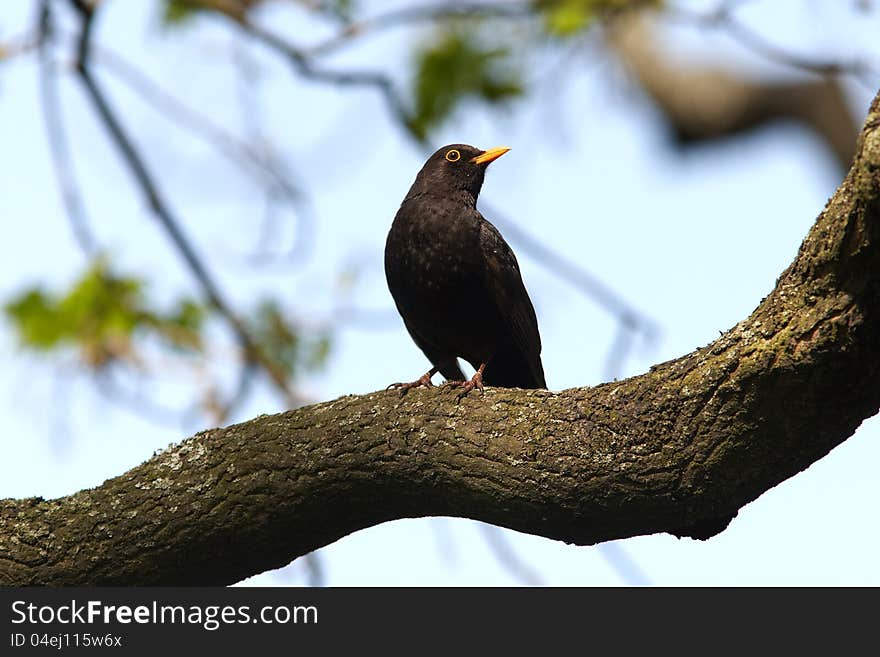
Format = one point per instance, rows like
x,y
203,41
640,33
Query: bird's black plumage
x,y
456,282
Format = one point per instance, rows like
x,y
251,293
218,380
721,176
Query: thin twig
x,y
623,564
160,208
266,250
305,67
577,276
859,70
508,558
229,145
56,135
314,569
723,18
239,395
21,45
618,351
110,388
262,163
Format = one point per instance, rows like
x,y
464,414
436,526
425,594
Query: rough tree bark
x,y
679,449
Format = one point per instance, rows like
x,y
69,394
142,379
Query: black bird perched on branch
x,y
456,282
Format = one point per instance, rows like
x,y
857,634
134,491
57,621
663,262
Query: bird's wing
x,y
511,298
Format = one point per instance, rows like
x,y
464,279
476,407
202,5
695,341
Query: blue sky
x,y
694,240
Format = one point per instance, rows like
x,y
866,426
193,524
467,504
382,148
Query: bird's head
x,y
454,169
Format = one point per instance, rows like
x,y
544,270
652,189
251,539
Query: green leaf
x,y
36,320
178,12
99,316
565,18
455,67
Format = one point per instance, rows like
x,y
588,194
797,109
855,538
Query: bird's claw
x,y
404,388
466,386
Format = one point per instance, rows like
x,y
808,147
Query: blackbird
x,y
456,282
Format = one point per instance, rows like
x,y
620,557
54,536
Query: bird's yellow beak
x,y
490,155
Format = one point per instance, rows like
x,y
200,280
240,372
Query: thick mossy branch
x,y
679,449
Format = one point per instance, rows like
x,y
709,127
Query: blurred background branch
x,y
703,103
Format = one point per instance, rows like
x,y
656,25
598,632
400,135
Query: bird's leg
x,y
466,386
424,380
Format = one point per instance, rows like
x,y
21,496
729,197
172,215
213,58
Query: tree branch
x,y
679,449
702,103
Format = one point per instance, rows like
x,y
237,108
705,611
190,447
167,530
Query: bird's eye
x,y
453,155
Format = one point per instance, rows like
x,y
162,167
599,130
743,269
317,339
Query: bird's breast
x,y
432,250
436,272
433,265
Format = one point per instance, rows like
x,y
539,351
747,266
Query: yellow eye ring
x,y
453,155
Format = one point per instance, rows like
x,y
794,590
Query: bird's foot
x,y
424,380
466,386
